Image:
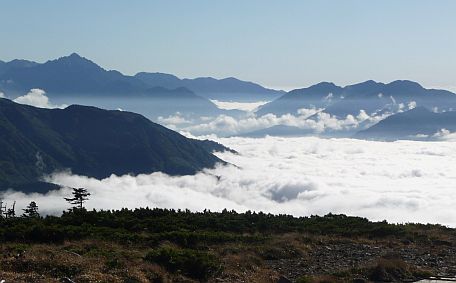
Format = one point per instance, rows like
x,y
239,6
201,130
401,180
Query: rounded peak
x,y
233,79
20,63
324,87
404,84
324,84
366,83
155,75
77,107
367,86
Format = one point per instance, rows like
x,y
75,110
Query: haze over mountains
x,y
416,124
76,77
228,89
370,96
92,142
74,74
315,171
185,104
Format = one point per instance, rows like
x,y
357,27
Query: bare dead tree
x,y
11,212
2,209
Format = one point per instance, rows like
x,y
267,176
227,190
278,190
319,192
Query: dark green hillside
x,y
91,142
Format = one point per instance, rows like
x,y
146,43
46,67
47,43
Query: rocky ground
x,y
287,258
355,258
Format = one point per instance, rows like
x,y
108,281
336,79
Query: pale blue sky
x,y
276,43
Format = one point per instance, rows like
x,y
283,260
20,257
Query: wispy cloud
x,y
175,120
37,97
314,120
244,106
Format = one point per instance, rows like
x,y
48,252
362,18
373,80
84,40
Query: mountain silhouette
x,y
71,74
316,96
76,75
370,96
418,123
91,142
228,89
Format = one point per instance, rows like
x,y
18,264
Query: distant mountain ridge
x,y
370,96
91,142
227,89
415,124
75,74
71,74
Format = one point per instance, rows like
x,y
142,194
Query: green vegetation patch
x,y
193,263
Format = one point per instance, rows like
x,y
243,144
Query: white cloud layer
x,y
405,181
311,121
244,106
2,95
444,135
314,120
176,119
37,97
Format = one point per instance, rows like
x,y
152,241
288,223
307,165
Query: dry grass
x,y
85,261
105,261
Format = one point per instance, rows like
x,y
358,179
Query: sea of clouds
x,y
404,181
313,120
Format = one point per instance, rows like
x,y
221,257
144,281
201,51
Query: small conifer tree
x,y
80,196
31,210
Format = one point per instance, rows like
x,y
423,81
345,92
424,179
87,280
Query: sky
x,y
281,44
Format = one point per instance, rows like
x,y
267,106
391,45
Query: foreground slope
x,y
91,142
159,245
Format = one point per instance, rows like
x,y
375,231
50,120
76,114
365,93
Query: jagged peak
x,y
74,58
74,55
